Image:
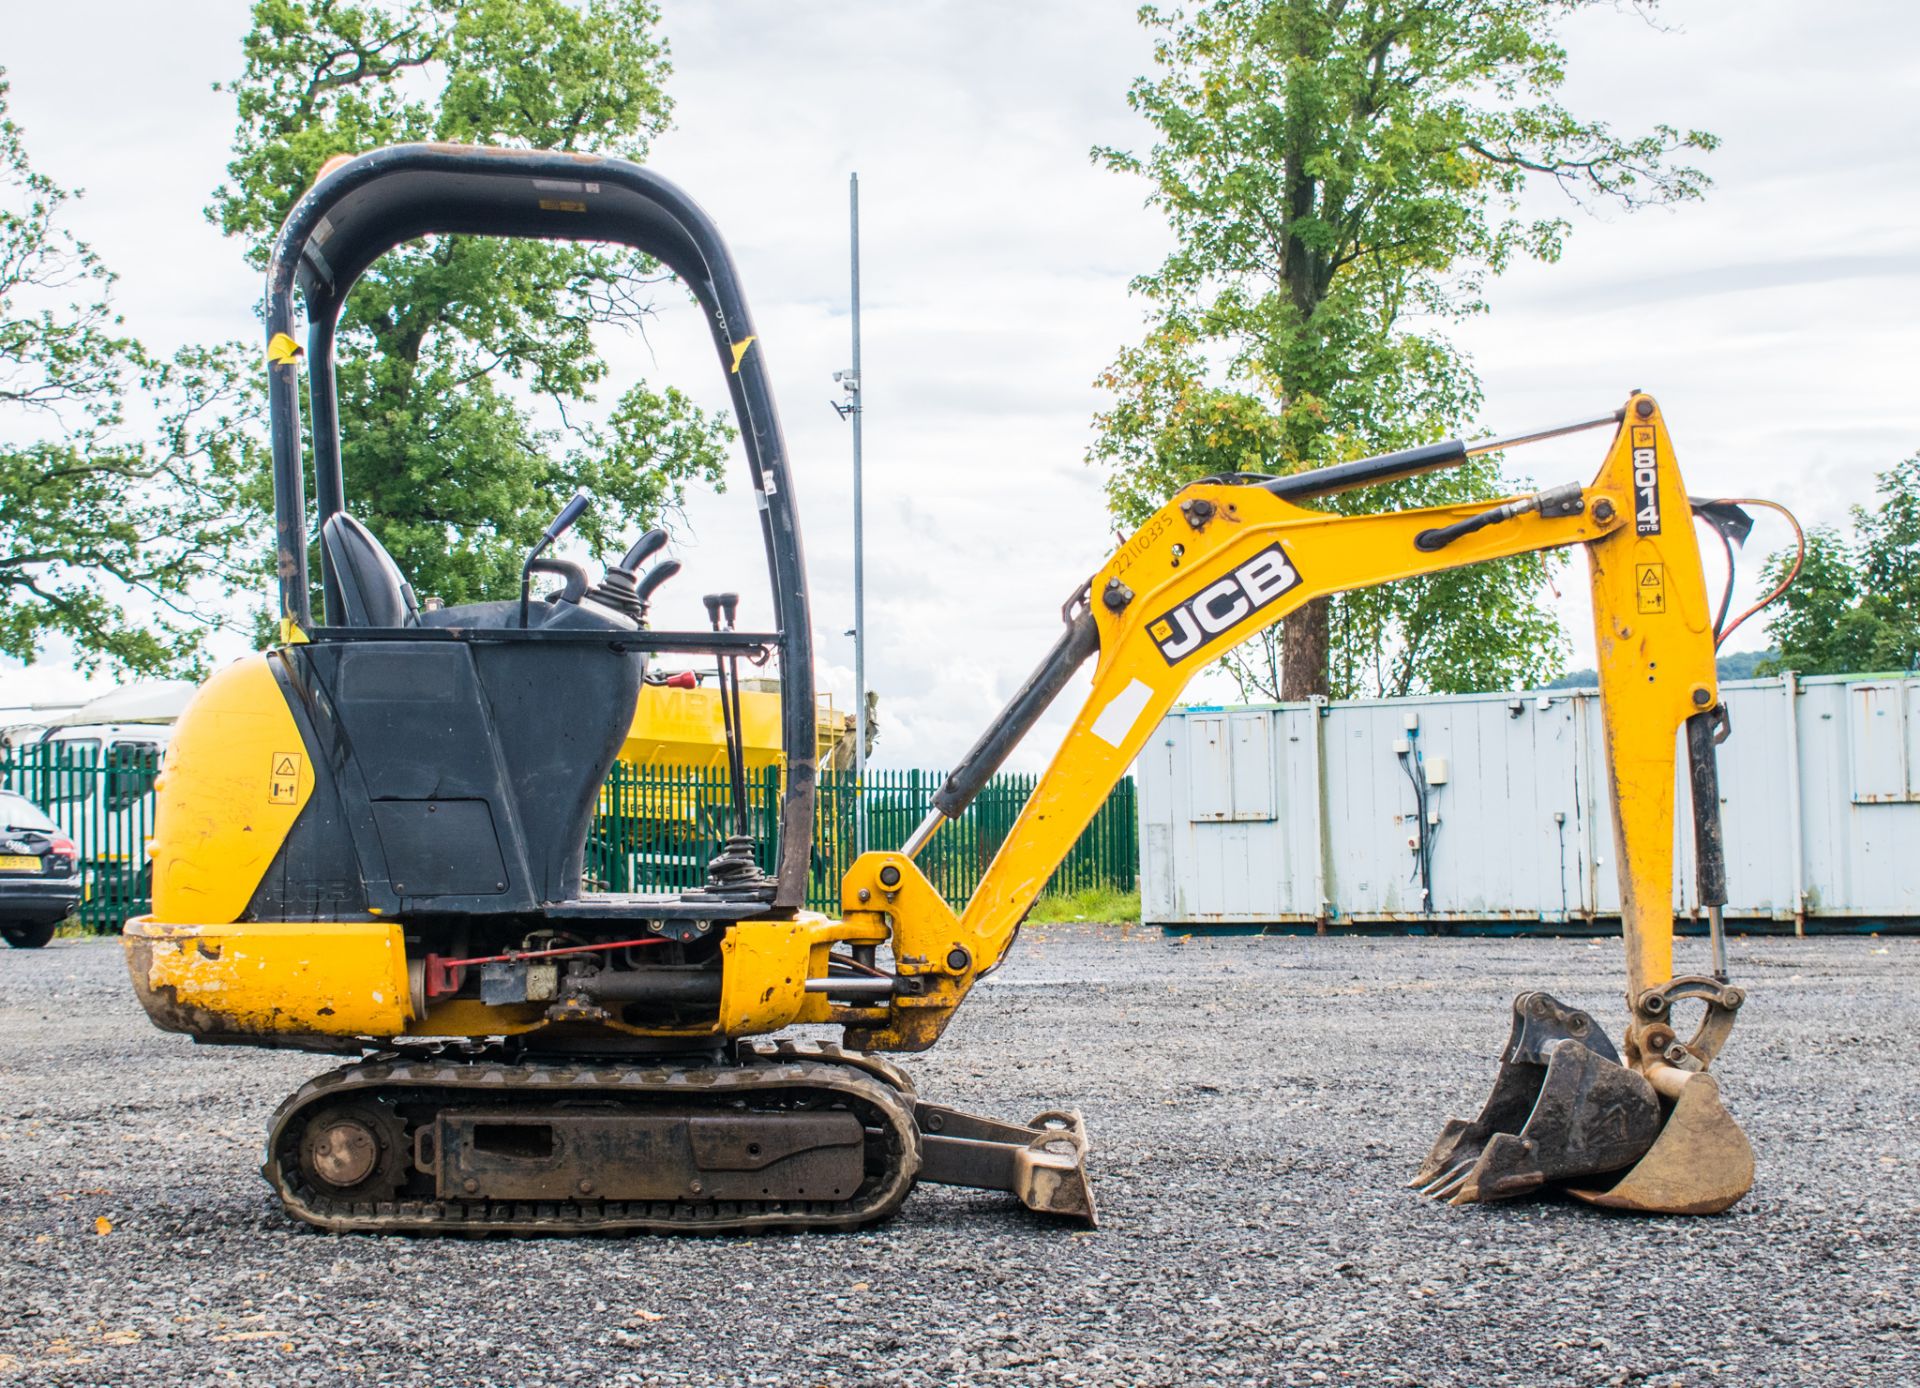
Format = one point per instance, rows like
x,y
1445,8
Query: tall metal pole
x,y
859,549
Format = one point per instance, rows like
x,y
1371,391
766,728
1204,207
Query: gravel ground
x,y
1255,1106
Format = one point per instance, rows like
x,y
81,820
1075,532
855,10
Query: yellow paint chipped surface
x,y
337,978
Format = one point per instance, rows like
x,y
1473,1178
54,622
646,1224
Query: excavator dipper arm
x,y
1224,560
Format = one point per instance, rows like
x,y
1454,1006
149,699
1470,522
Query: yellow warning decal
x,y
290,633
739,351
561,205
1650,587
283,786
281,350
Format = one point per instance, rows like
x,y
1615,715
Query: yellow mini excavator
x,y
369,838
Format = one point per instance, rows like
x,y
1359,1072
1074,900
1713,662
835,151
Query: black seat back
x,y
372,590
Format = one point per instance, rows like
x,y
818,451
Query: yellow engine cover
x,y
331,978
235,778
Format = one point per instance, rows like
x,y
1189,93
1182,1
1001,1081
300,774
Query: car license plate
x,y
18,863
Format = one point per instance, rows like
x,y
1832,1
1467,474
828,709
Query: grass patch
x,y
1103,904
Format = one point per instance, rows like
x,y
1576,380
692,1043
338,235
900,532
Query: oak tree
x,y
117,525
1342,178
469,371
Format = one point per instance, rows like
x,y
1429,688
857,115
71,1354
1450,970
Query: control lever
x,y
721,608
571,512
658,574
643,549
620,586
574,574
557,527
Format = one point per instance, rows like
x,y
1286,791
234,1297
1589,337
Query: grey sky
x,y
1774,320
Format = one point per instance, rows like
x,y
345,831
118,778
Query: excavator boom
x,y
1225,559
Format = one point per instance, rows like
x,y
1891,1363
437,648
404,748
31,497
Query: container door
x,y
1251,752
1209,768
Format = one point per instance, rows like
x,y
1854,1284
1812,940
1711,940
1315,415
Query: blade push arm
x,y
1222,562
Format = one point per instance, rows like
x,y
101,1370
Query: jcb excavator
x,y
369,838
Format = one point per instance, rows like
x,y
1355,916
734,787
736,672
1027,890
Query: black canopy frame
x,y
371,204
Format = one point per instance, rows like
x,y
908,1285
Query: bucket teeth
x,y
1442,1187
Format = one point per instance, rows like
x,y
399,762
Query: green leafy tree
x,y
1342,178
1854,608
112,543
468,366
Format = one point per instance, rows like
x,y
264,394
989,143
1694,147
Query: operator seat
x,y
371,588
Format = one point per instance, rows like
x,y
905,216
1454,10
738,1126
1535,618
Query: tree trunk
x,y
1303,652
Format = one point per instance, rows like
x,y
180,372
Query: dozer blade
x,y
1042,1164
1562,1107
1701,1164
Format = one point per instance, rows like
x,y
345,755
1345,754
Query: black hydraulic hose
x,y
1365,472
1726,595
1428,832
1440,537
1565,500
1423,841
1709,847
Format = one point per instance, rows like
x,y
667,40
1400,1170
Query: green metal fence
x,y
103,799
656,829
658,826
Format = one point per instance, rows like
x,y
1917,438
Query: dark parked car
x,y
39,873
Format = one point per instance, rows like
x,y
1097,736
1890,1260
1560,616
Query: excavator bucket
x,y
1563,1107
1701,1164
1564,1110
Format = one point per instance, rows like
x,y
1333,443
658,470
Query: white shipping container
x,y
1306,814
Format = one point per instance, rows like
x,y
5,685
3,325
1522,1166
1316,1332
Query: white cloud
x,y
1774,320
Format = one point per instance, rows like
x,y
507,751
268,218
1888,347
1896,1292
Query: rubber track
x,y
450,1082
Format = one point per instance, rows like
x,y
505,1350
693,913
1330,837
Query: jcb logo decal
x,y
1267,576
1646,482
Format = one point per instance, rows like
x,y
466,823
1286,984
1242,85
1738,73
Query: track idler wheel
x,y
1565,1110
354,1150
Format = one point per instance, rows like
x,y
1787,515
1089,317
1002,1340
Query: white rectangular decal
x,y
1116,720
